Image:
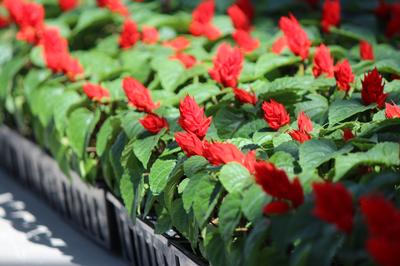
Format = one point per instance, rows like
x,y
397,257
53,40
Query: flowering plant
x,y
274,143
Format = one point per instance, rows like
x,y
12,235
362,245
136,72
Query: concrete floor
x,y
31,233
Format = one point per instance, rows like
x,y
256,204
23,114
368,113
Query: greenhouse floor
x,y
31,233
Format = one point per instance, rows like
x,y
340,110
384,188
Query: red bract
x,y
228,64
15,10
275,114
187,60
279,45
245,96
222,153
323,62
95,92
334,204
201,24
304,123
393,25
190,144
372,89
383,221
330,14
129,35
276,183
296,37
178,44
138,95
71,67
66,5
153,123
347,134
246,7
115,6
299,135
244,40
392,111
366,51
192,117
343,75
149,35
239,19
55,49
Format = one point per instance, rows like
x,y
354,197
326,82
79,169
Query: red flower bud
x,y
190,144
66,5
95,92
115,6
239,19
244,40
299,135
153,123
330,14
275,114
149,35
192,117
276,183
129,35
392,111
138,95
323,62
187,60
228,64
343,75
244,96
201,24
296,37
279,45
304,123
366,51
178,44
334,204
347,134
372,89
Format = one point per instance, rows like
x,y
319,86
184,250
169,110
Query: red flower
x,y
15,10
71,67
189,143
178,44
343,75
66,5
275,114
276,183
347,134
279,44
246,7
138,95
244,96
239,19
304,123
305,127
227,65
187,60
323,62
383,221
201,24
149,35
192,117
366,51
330,14
334,204
299,135
383,10
95,92
55,49
296,37
153,123
30,19
244,40
392,111
115,6
3,22
222,153
372,89
129,35
393,25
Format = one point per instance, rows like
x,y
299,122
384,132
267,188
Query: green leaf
x,y
283,160
384,153
7,73
200,92
81,123
127,193
201,194
62,105
271,61
315,152
90,18
254,199
343,109
99,66
143,147
136,62
159,175
171,73
229,215
235,177
106,134
194,164
316,108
